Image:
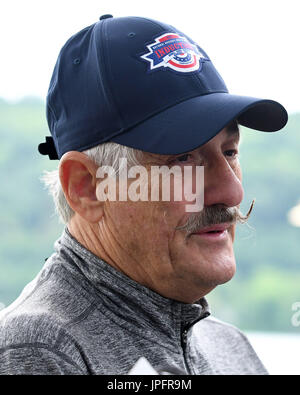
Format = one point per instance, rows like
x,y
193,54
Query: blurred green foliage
x,y
267,281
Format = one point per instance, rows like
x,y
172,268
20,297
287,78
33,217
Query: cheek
x,y
238,170
140,222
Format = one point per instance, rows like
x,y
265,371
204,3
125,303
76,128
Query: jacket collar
x,y
131,304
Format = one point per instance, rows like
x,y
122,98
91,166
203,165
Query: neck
x,y
88,235
98,240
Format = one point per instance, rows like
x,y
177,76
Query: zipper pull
x,y
184,337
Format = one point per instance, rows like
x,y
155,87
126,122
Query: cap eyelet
x,y
131,34
76,61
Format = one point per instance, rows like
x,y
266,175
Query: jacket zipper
x,y
183,345
184,334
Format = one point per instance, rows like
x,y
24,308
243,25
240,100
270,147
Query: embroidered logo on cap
x,y
176,52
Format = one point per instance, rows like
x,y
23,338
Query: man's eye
x,y
183,158
231,153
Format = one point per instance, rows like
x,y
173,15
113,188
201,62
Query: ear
x,y
77,174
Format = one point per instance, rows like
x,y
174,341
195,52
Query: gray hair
x,y
106,154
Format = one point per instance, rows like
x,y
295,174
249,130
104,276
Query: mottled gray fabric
x,y
80,316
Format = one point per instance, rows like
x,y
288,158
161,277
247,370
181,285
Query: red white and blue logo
x,y
176,52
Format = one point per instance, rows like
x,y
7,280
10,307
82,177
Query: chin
x,y
228,276
218,272
225,271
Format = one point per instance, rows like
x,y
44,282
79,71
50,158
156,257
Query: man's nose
x,y
222,184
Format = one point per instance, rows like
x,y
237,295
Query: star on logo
x,y
176,52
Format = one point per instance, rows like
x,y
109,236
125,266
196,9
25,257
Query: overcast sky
x,y
253,44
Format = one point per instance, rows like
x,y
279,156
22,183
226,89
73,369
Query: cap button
x,y
106,16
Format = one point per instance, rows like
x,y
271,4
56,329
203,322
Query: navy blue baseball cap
x,y
146,85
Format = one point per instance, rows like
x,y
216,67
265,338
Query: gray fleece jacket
x,y
80,316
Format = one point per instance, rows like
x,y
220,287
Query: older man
x,y
128,277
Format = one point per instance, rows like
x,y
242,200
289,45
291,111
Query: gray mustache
x,y
213,215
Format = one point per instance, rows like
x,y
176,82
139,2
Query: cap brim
x,y
193,122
